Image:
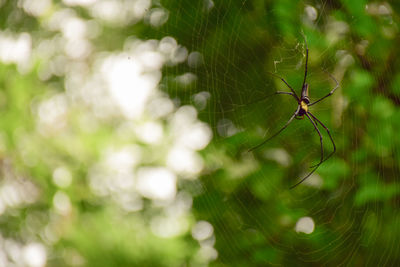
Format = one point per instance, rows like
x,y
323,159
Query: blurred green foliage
x,y
353,198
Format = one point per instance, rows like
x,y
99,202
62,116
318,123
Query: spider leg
x,y
302,180
285,93
283,80
305,71
330,93
322,154
265,98
312,166
283,128
320,140
329,134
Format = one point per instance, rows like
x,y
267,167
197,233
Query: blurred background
x,y
125,127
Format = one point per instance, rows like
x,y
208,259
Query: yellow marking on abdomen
x,y
304,106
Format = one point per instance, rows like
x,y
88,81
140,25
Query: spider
x,y
303,110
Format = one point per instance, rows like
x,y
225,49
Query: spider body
x,y
303,104
303,109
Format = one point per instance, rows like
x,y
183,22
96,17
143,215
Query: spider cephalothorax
x,y
303,104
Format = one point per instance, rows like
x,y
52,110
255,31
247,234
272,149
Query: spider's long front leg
x,y
283,128
329,134
306,65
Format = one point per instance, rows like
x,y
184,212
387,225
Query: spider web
x,y
335,217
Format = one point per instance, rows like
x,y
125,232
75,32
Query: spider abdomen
x,y
303,108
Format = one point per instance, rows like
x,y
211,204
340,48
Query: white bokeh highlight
x,y
202,230
62,177
156,183
305,225
34,255
129,88
15,48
